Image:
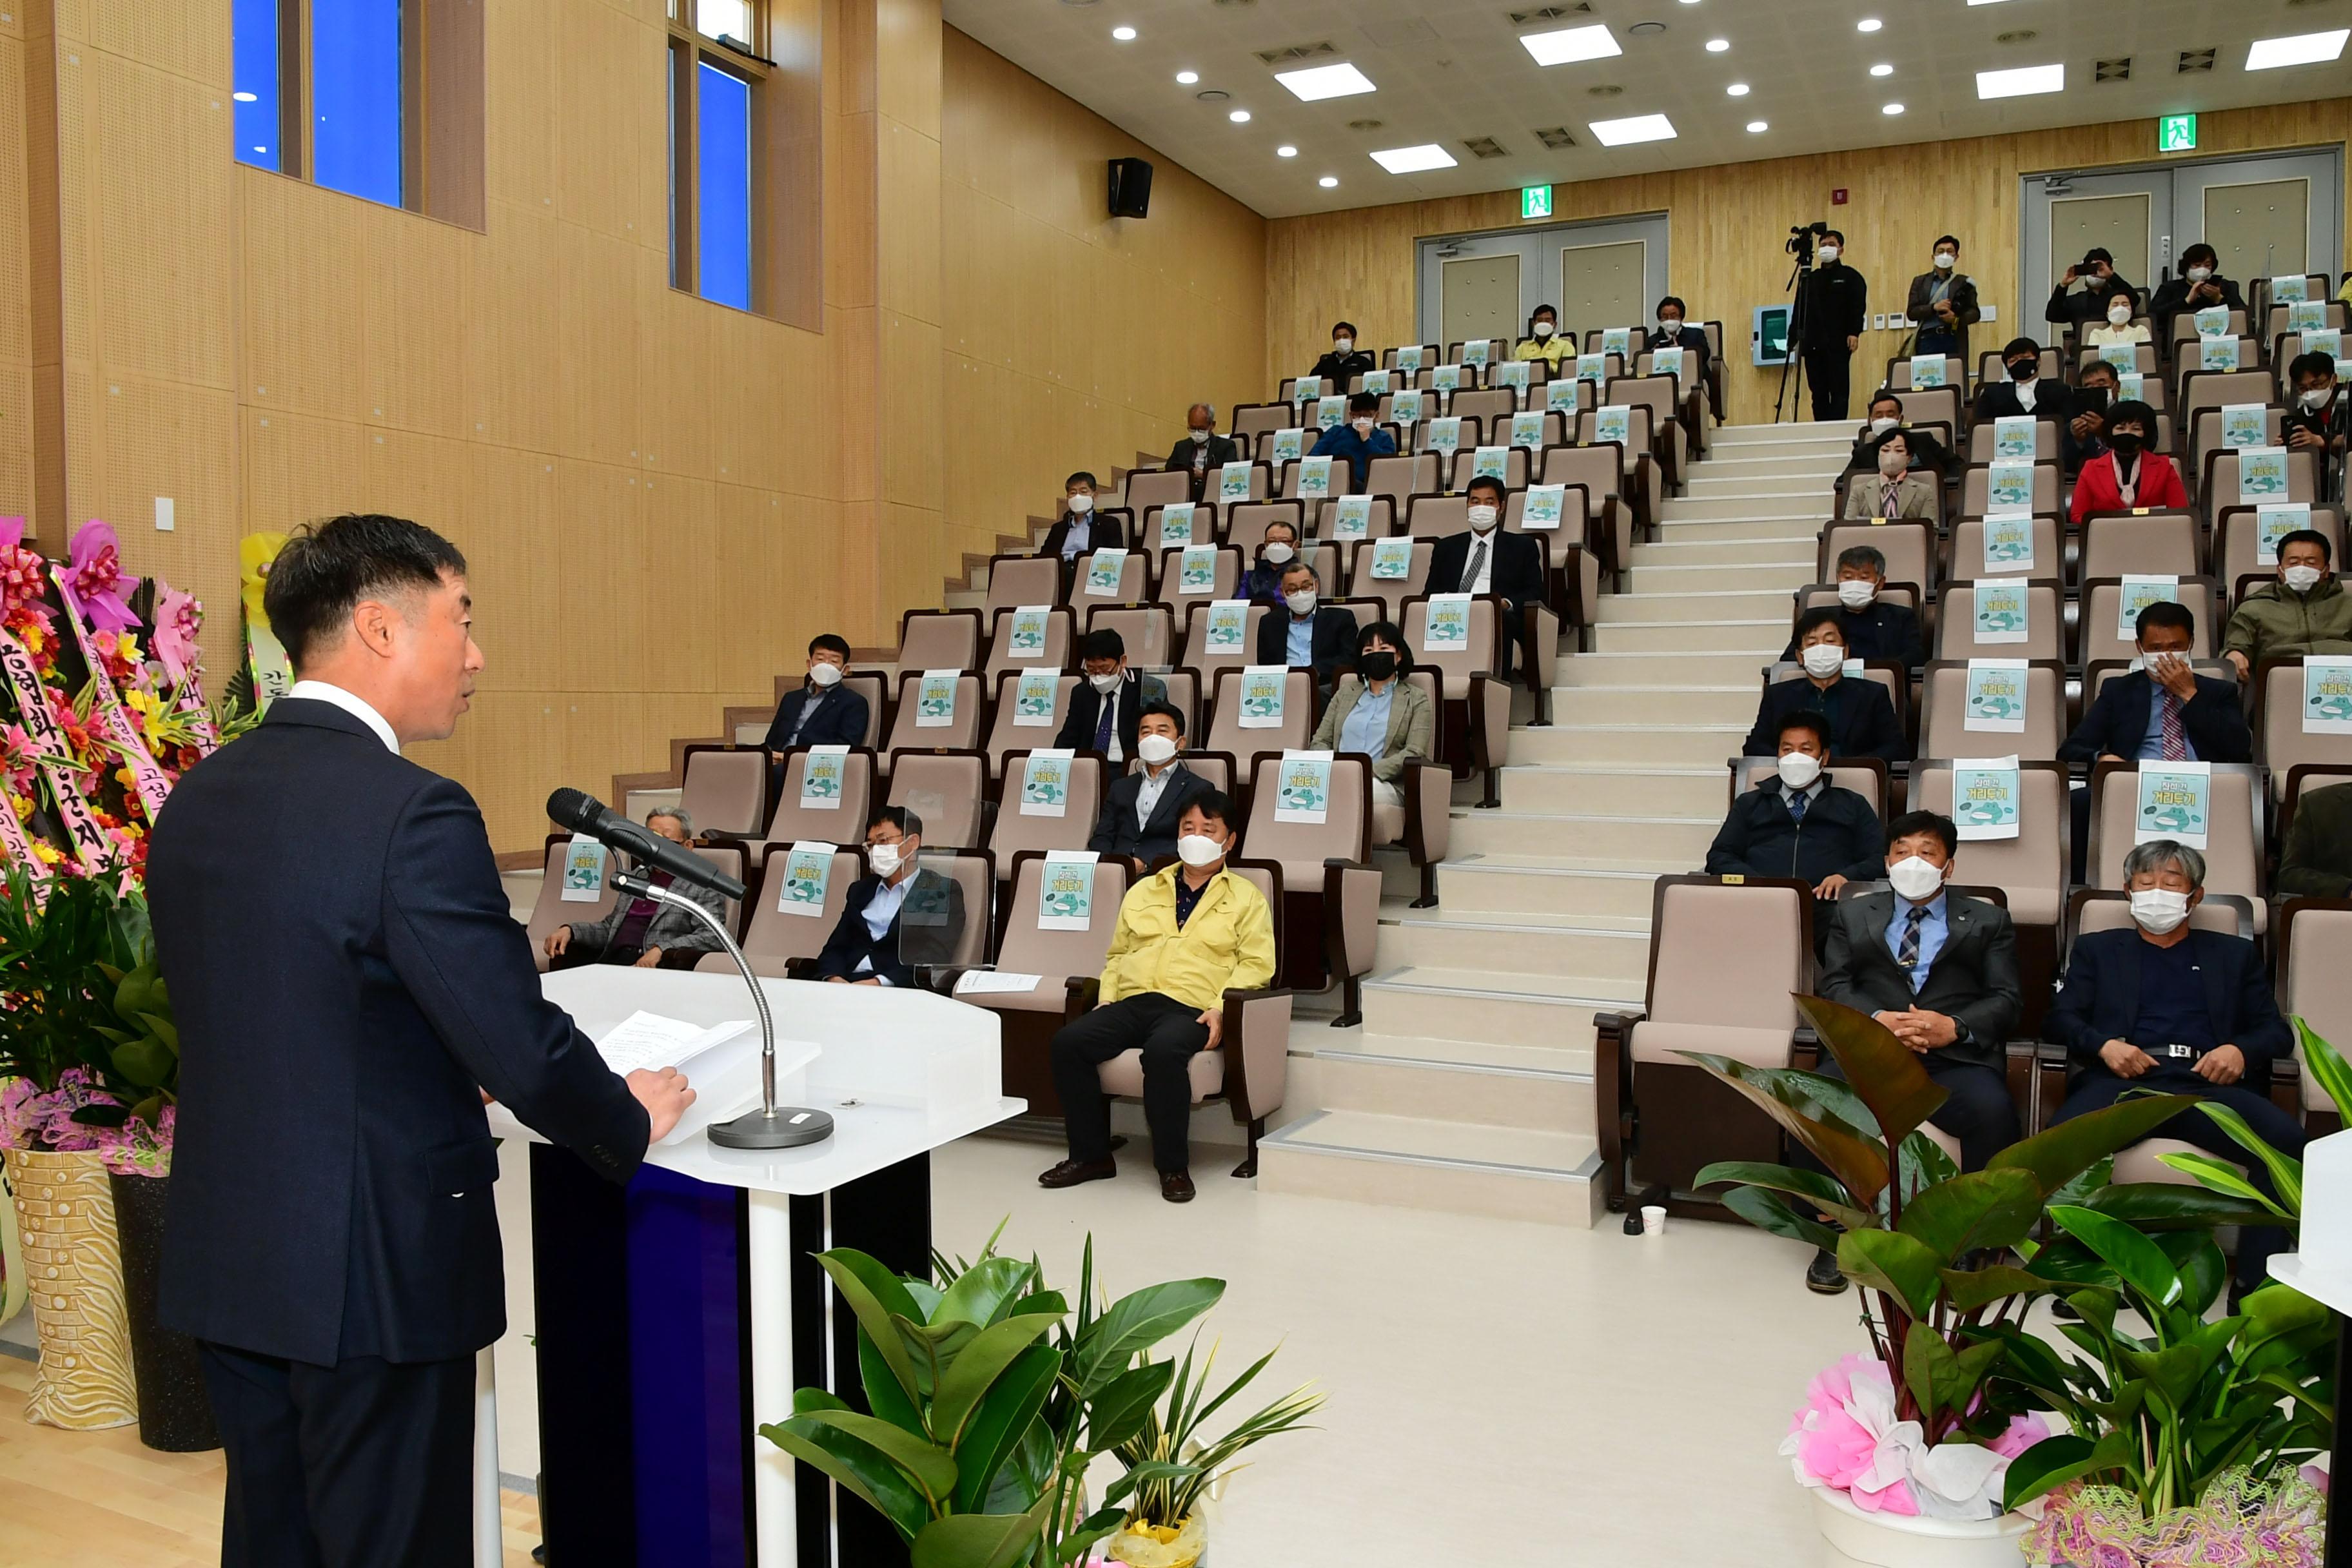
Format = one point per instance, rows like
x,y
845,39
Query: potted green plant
x,y
1906,1448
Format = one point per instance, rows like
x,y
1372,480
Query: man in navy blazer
x,y
897,916
2128,721
1860,714
1302,623
823,712
2166,1007
1108,684
348,986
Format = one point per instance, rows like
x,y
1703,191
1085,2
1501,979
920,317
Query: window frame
x,y
689,50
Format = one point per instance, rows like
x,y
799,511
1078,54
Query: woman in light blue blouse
x,y
1378,713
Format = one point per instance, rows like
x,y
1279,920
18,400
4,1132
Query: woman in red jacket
x,y
2129,475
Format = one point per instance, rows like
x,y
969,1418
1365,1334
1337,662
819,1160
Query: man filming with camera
x,y
1831,302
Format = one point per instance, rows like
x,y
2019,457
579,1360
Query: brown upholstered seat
x,y
845,822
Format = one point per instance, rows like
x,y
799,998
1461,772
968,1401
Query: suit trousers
x,y
1169,1033
1830,367
364,1464
2098,1089
1979,1114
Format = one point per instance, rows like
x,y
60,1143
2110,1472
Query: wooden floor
x,y
69,1499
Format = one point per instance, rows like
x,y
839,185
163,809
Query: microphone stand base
x,y
785,1127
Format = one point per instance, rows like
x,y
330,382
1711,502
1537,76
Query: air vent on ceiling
x,y
2016,36
1212,95
1236,2
1484,147
1367,124
1551,12
1325,50
2195,61
1605,89
1555,137
2114,70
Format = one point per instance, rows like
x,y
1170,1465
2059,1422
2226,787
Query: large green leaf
x,y
2065,1150
930,1466
2068,1262
1144,1474
1096,1526
1903,1266
2176,1371
2084,1186
1921,1163
978,1366
1939,1379
880,1302
2168,1205
1778,1215
1118,1412
2198,1259
2224,1177
2055,1461
1887,1074
1136,1322
883,1392
932,1347
981,1292
2138,1261
2287,1172
981,1539
1971,1288
1816,1188
1855,1160
993,1435
1972,1212
2275,1309
2327,1066
858,1466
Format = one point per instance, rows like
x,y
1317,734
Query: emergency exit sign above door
x,y
2177,133
1535,201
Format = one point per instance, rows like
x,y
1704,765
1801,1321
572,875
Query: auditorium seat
x,y
1148,488
1154,529
1725,958
1391,591
2280,744
1476,703
1866,777
1246,522
1943,713
1148,631
1983,435
775,938
1601,474
2122,544
550,911
843,822
2203,389
1964,555
1011,729
1899,372
1197,653
1014,580
1133,585
1228,729
2235,862
1436,517
1021,825
725,791
1463,465
1573,562
1660,397
2100,635
1249,1070
1908,545
1976,489
1491,409
1401,478
1225,581
949,790
2316,985
1061,964
959,730
2219,485
1991,369
939,639
2235,542
1059,651
1956,623
2029,869
1331,892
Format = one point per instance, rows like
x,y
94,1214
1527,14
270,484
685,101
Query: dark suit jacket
x,y
936,905
1221,450
1887,630
1861,715
1840,836
839,720
1108,532
1115,829
2100,998
344,972
2082,307
1517,577
2120,720
2316,862
1336,368
1998,400
1691,340
2171,298
1973,980
1836,305
1078,725
1334,642
1966,312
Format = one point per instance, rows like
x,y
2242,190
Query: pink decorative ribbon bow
x,y
94,567
178,619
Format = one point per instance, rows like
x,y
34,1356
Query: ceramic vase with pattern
x,y
73,1269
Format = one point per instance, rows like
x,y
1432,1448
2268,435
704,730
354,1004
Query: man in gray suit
x,y
1940,971
638,930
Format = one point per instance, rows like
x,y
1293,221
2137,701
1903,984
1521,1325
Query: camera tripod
x,y
1796,292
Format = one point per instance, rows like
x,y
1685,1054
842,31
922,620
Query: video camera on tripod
x,y
1802,237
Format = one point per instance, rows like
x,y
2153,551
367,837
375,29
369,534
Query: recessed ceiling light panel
x,y
2303,49
1890,108
1286,151
1124,35
1717,46
1882,69
1568,45
1186,79
1414,160
1325,82
1329,182
1868,24
2021,83
1634,128
1738,90
1757,126
1239,116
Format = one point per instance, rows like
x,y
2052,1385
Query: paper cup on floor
x,y
1654,1219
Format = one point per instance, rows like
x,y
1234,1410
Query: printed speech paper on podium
x,y
645,1039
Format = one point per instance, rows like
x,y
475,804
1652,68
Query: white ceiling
x,y
1448,71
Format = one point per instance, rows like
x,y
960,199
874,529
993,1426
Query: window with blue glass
x,y
355,98
716,78
258,30
723,149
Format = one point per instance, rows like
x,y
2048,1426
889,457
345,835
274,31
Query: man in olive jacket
x,y
2317,860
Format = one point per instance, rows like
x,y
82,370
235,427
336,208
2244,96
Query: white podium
x,y
677,1315
2322,1270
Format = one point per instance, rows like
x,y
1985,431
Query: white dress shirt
x,y
1148,792
2027,391
357,707
1483,582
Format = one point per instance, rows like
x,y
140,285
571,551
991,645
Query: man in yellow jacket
x,y
1185,937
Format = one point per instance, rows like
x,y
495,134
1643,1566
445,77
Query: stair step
x,y
1692,744
1774,549
1677,842
1456,1167
1753,519
1489,885
1652,670
1605,789
1698,605
1783,576
1705,485
1539,1089
1799,434
1826,463
1763,635
1644,706
1720,509
1535,947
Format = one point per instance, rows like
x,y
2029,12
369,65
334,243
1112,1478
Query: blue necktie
x,y
1907,955
1102,725
1799,802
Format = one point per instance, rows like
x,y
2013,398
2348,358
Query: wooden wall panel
x,y
15,283
1728,223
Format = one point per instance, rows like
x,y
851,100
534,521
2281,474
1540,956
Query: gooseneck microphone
x,y
583,813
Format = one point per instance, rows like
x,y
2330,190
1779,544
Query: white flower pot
x,y
1853,1539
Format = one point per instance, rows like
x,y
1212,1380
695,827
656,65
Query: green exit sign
x,y
1535,201
2177,133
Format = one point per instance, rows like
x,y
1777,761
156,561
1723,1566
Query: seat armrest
x,y
1490,721
1351,916
1539,641
1428,812
802,969
1256,1043
723,838
1612,1086
1083,994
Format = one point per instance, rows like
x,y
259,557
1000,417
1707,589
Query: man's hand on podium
x,y
664,1096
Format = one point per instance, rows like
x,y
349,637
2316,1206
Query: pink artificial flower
x,y
2022,1432
22,585
17,757
178,618
94,567
1896,1499
2315,1477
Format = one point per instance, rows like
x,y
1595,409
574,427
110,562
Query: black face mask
x,y
1378,666
2023,369
2126,443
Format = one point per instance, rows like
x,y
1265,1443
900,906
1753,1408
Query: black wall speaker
x,y
1130,187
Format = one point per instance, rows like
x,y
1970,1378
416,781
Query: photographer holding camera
x,y
2100,280
1831,304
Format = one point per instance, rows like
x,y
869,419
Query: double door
x,y
1606,274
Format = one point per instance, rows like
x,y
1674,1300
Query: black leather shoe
x,y
1822,1276
1176,1186
1070,1172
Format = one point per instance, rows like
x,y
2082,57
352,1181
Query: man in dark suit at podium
x,y
348,986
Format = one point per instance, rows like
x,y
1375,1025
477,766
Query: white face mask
x,y
1155,749
1301,603
2302,579
1828,253
1881,426
1893,463
1946,261
1823,659
2158,910
1543,328
1201,436
1341,345
824,675
887,858
1915,877
2198,275
1198,850
2119,314
1081,505
1670,324
1482,518
1105,684
1364,427
1276,552
2316,398
1855,593
1799,771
